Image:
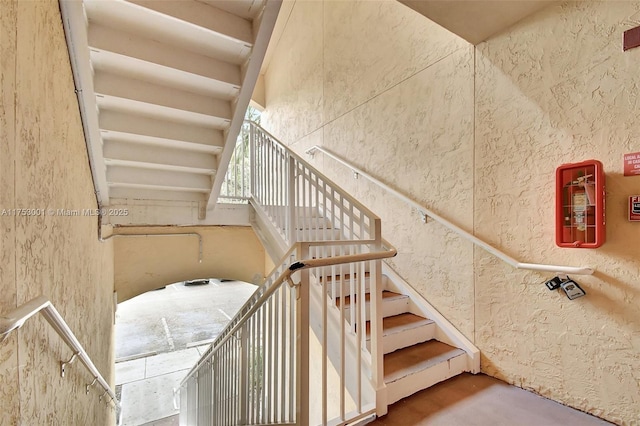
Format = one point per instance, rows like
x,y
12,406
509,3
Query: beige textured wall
x,y
43,164
146,263
557,89
476,134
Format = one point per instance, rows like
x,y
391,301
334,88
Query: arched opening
x,y
161,334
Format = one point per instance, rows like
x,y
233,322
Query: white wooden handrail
x,y
16,318
575,270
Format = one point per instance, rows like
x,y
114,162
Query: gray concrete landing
x,y
159,337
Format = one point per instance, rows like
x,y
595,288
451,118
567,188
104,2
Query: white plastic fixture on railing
x,y
16,318
575,270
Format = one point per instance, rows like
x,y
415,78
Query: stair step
x,y
404,330
392,304
409,370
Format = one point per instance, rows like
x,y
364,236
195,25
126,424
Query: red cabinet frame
x,y
580,205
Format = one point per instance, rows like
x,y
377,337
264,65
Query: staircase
x,y
414,357
353,333
420,348
163,87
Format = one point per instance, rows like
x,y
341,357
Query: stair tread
x,y
386,294
416,358
399,323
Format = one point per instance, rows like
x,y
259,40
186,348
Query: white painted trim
x,y
156,187
263,34
75,26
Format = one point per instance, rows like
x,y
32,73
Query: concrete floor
x,y
479,400
159,336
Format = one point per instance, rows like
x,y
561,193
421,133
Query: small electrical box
x,y
580,205
572,289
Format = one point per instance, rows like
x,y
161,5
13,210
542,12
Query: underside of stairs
x,y
163,87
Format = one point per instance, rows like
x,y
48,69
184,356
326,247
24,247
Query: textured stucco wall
x,y
476,133
336,79
43,164
558,88
146,263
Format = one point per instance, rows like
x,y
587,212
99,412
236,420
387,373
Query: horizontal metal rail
x,y
575,270
16,318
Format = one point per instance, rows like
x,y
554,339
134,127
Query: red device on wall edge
x,y
580,221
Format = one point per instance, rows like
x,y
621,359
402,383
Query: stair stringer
x,y
271,239
445,331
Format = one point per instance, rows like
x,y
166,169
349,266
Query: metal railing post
x,y
291,200
377,352
244,374
252,160
302,347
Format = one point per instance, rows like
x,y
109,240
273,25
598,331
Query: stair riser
x,y
417,381
390,307
346,284
406,338
410,337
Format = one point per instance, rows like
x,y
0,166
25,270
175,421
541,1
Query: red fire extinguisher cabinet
x,y
580,205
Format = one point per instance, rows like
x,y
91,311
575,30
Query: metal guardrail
x,y
257,370
574,270
16,318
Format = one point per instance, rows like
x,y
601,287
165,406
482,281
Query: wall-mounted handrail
x,y
575,270
16,318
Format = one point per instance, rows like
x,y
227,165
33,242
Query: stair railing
x,y
425,212
292,192
16,318
247,375
258,370
304,205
